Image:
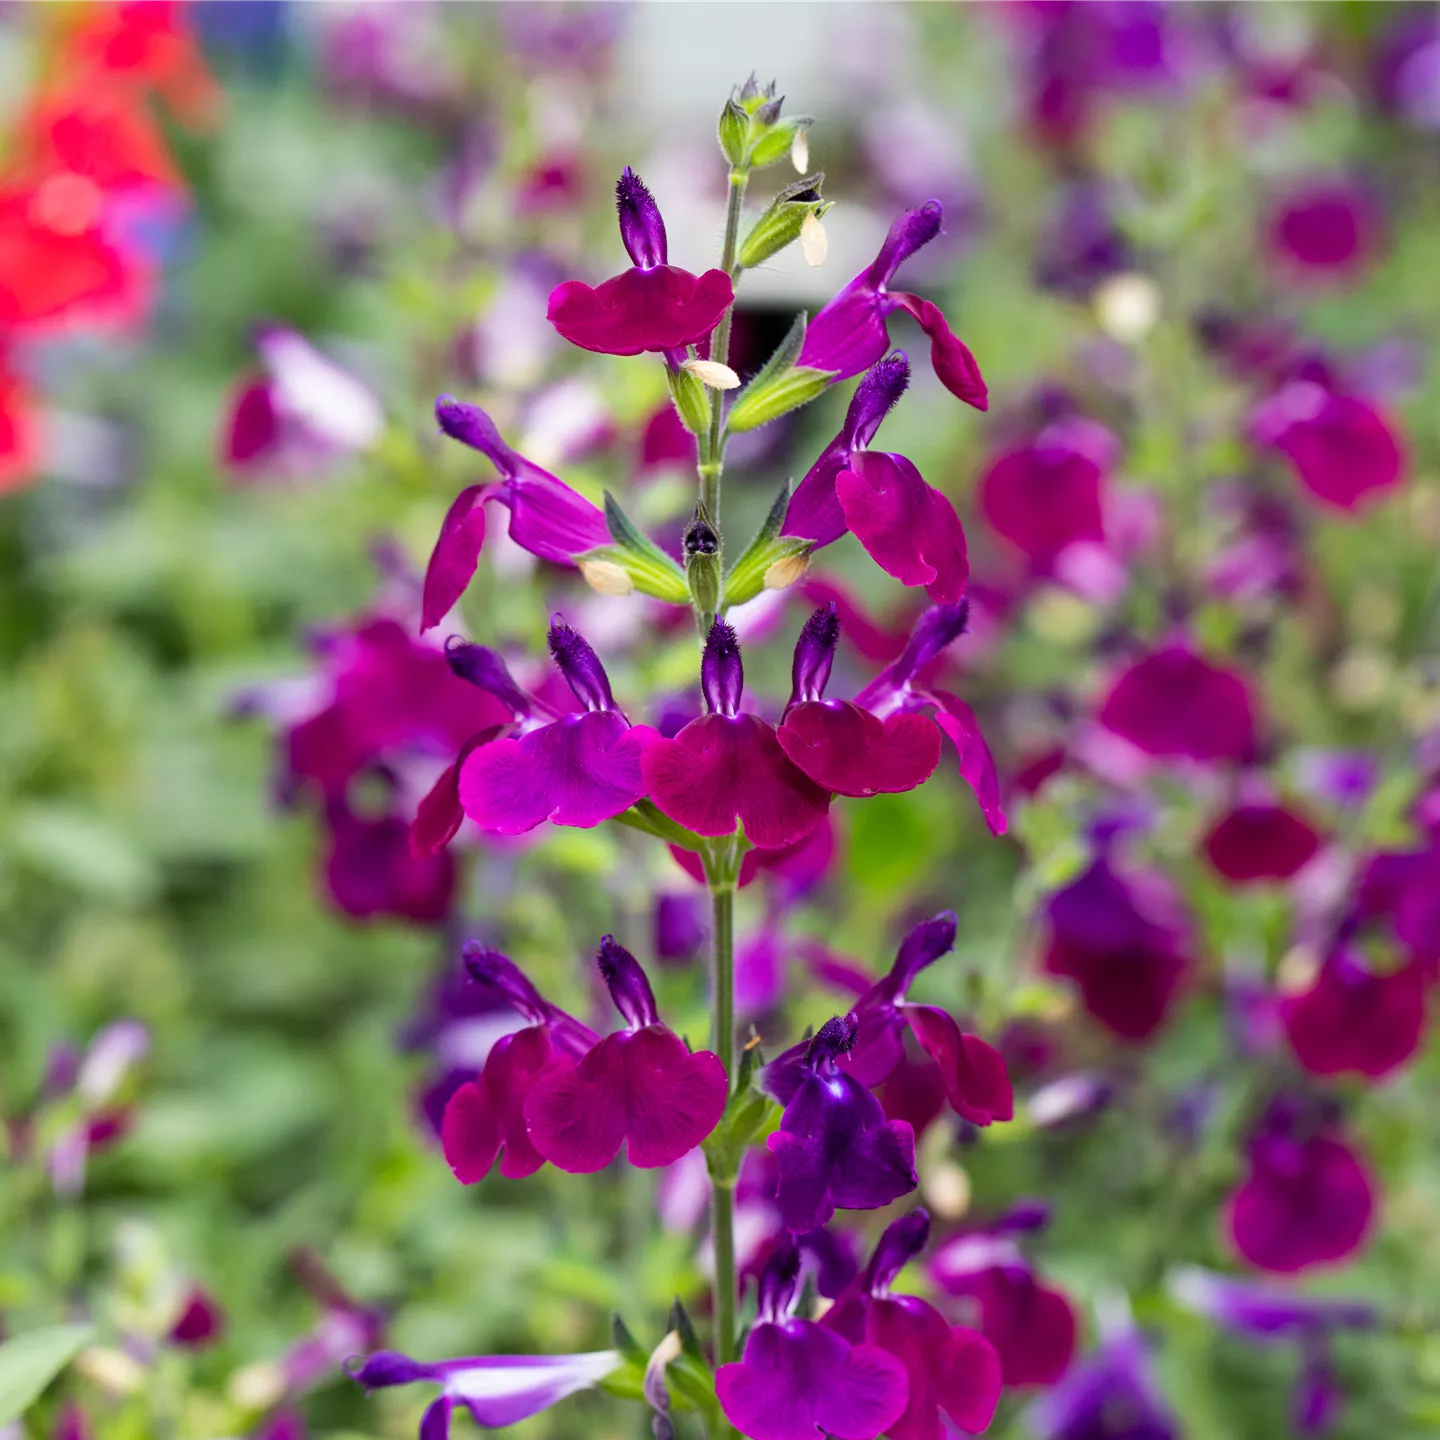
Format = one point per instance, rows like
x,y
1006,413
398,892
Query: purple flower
x,y
201,1321
834,1146
850,334
1323,229
580,769
907,527
950,1368
1174,704
680,926
798,1379
641,1086
547,517
1260,840
1110,1395
899,689
1307,1199
727,767
497,1390
373,871
1081,244
487,1115
653,306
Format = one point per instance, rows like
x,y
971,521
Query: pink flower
x,y
1260,841
1322,229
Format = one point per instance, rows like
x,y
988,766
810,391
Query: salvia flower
x,y
973,1073
907,527
950,1368
547,517
579,770
1110,1395
1307,1199
1322,229
727,766
653,306
1174,704
903,688
1259,840
835,1147
487,1115
497,1390
798,1380
1124,941
640,1086
372,870
850,333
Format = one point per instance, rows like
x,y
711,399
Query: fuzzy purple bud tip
x,y
581,667
836,1037
875,396
814,655
641,227
628,987
482,667
722,676
499,972
902,1241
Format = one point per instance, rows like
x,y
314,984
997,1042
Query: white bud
x,y
814,243
606,577
113,1371
1127,307
800,151
713,374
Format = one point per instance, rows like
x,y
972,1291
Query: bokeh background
x,y
242,248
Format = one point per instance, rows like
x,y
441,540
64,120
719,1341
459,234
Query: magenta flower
x,y
950,1368
371,871
903,688
1110,1395
640,1086
486,1116
907,527
835,1148
837,744
547,517
972,1073
580,769
727,767
1307,1199
798,1380
497,1390
1032,1326
201,1321
1173,704
1323,229
1260,841
1353,1019
1046,495
653,306
1125,942
850,334
1340,446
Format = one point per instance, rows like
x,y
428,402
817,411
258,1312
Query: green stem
x,y
723,1220
722,895
723,901
712,456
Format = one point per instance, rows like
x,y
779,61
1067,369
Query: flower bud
x,y
687,392
780,225
712,374
734,133
814,243
702,562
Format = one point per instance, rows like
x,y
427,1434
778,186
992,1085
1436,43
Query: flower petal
x,y
483,1115
977,1083
848,335
455,556
662,308
977,765
950,357
846,749
1260,842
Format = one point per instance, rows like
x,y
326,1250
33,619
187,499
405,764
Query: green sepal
x,y
747,575
690,398
734,132
684,1327
651,570
760,404
644,816
749,1117
625,1342
780,225
774,144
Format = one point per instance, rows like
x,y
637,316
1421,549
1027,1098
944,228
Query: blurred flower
x,y
1109,1395
1263,555
1322,229
1259,839
1406,67
1080,243
201,1321
680,926
389,56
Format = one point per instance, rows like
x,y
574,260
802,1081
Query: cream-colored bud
x,y
713,374
814,242
946,1190
113,1371
800,151
786,571
606,577
1361,680
257,1386
1127,307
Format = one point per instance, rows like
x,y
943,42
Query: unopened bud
x,y
1127,307
786,571
701,546
606,577
814,243
713,374
800,150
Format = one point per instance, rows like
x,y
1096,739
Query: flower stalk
x,y
712,455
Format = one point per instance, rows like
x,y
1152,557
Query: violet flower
x,y
1307,1199
1174,704
653,306
1322,229
579,770
1124,940
547,517
950,1368
1110,1395
727,766
1354,1019
497,1390
798,1379
900,689
372,870
850,333
835,1148
909,528
1342,448
640,1086
1260,840
973,1073
486,1116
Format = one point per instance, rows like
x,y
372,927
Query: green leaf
x,y
761,403
29,1362
646,566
